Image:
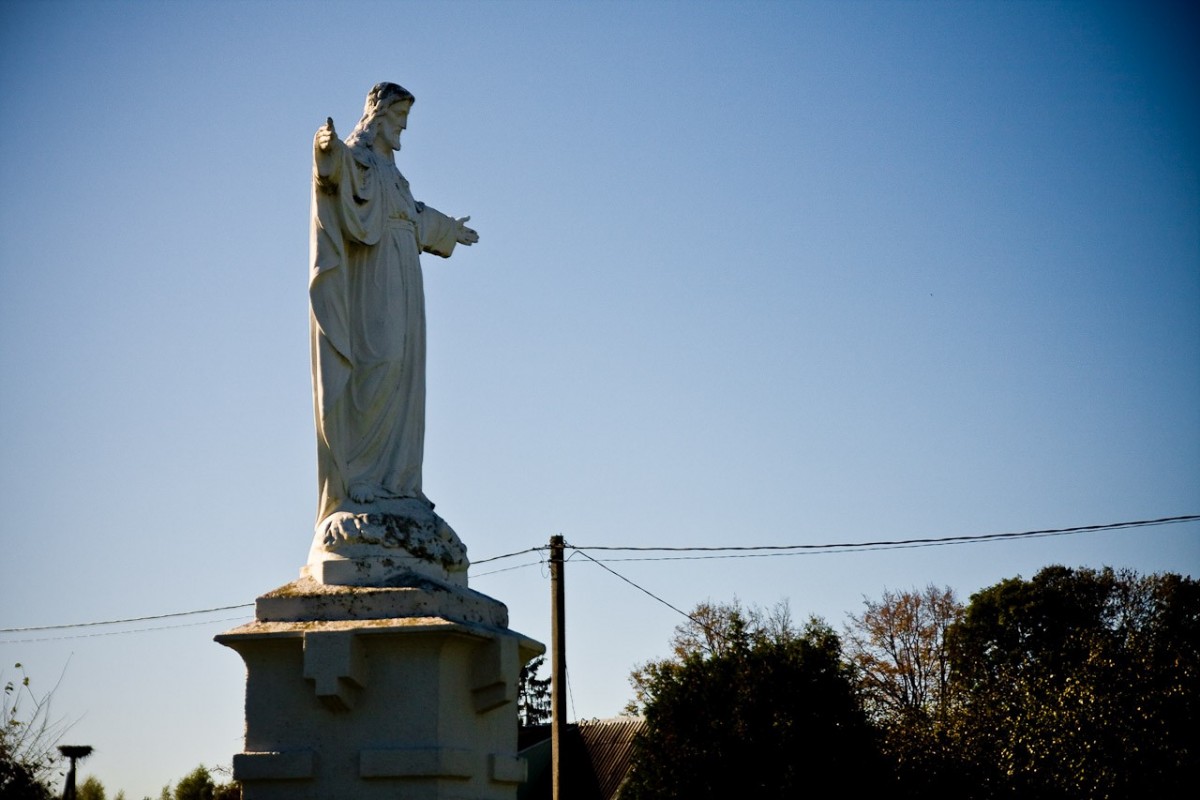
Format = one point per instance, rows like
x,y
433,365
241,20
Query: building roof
x,y
597,756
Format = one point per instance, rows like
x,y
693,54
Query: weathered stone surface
x,y
371,544
274,766
409,595
367,328
378,674
414,707
404,690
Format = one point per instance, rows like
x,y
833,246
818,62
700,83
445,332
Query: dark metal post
x,y
558,665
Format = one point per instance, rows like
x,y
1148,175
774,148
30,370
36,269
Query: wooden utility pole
x,y
558,665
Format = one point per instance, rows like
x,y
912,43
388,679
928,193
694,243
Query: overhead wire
x,y
890,543
711,552
713,633
510,555
636,586
822,552
120,633
791,550
507,569
122,621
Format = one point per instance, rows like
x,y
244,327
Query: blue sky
x,y
768,273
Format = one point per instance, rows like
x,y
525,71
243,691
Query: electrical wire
x,y
121,621
120,633
712,632
508,569
924,541
730,551
639,588
830,552
570,694
510,555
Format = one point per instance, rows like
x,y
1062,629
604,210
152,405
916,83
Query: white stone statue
x,y
368,343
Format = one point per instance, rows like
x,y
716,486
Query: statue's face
x,y
391,123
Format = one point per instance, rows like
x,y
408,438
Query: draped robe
x,y
367,326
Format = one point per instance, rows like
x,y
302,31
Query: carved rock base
x,y
372,544
382,692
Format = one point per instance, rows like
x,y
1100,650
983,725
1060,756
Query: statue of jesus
x,y
368,316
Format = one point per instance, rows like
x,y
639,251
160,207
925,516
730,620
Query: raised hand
x,y
326,136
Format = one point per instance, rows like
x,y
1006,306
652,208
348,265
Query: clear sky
x,y
756,273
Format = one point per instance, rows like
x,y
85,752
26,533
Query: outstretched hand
x,y
463,234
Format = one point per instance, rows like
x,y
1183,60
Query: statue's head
x,y
381,97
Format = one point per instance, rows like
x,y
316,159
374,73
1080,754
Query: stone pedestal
x,y
405,690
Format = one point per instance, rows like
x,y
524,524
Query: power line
x,y
712,632
832,551
793,550
508,569
895,543
509,555
639,588
730,551
121,621
120,633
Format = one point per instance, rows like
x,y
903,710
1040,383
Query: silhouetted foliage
x,y
898,644
90,789
712,629
1077,683
533,694
1080,683
196,785
749,706
228,791
898,647
28,738
199,785
18,781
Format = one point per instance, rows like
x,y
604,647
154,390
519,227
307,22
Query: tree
x,y
196,785
28,738
898,644
533,694
90,789
748,705
898,647
712,629
19,781
1080,683
200,785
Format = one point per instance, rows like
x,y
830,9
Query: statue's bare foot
x,y
362,493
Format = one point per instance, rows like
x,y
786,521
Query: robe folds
x,y
367,326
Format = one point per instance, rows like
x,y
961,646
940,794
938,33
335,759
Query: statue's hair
x,y
381,97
